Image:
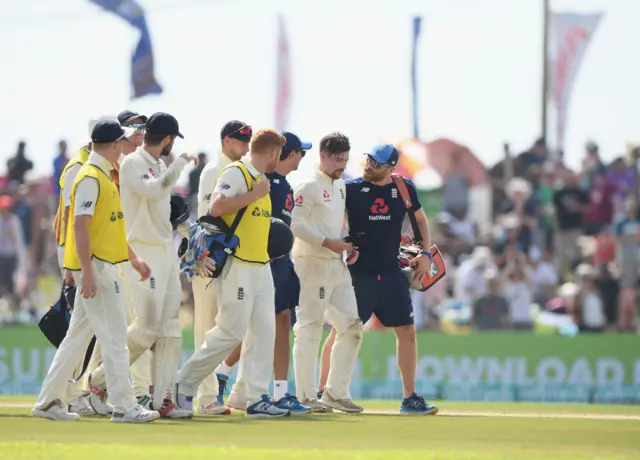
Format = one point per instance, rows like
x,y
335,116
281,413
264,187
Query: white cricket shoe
x,y
213,409
81,406
98,400
55,411
236,402
316,406
137,414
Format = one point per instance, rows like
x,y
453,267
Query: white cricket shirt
x,y
318,214
208,179
69,176
145,189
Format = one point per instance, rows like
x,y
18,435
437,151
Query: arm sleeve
x,y
69,177
87,192
301,216
413,194
231,183
147,186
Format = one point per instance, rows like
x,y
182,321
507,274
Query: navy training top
x,y
379,212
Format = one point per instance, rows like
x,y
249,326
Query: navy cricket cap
x,y
237,129
163,123
128,115
385,155
293,142
106,131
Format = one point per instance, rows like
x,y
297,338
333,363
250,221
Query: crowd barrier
x,y
507,366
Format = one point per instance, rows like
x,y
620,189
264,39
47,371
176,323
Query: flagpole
x,y
545,67
417,26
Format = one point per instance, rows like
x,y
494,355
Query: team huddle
x,y
329,250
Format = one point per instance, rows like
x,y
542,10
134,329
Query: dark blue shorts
x,y
386,295
286,284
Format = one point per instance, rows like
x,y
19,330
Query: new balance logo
x,y
365,189
87,204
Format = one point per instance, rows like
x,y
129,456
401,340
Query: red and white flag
x,y
569,37
283,79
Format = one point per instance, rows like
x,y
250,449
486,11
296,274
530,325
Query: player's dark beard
x,y
337,174
166,150
369,176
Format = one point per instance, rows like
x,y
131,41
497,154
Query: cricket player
x,y
146,185
375,209
95,244
285,280
244,289
141,369
234,137
318,252
78,401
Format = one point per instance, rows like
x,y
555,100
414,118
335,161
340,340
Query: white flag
x,y
570,35
283,79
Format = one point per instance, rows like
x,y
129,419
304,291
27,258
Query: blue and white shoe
x,y
222,387
183,402
415,405
291,403
266,408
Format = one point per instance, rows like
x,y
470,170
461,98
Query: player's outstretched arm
x,y
149,187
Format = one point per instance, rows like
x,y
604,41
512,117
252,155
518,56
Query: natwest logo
x,y
326,195
288,204
299,200
380,210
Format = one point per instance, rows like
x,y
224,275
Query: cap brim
x,y
180,135
133,116
380,161
241,137
305,145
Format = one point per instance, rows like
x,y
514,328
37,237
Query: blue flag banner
x,y
417,28
142,77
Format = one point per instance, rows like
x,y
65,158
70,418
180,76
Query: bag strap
x,y
235,223
406,198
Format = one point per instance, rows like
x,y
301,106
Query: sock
x,y
223,369
280,388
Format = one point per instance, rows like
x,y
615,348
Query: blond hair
x,y
265,139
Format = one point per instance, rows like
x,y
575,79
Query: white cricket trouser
x,y
74,390
156,302
104,317
205,306
141,369
246,302
325,287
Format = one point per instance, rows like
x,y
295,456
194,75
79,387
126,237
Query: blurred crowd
x,y
563,251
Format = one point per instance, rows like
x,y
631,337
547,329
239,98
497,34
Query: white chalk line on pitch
x,y
447,413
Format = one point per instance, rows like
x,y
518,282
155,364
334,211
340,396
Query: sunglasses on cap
x,y
377,165
137,127
244,131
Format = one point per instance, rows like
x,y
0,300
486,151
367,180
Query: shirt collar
x,y
98,160
324,176
147,156
252,170
223,160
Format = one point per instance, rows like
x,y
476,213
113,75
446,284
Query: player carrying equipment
x,y
96,244
244,288
376,210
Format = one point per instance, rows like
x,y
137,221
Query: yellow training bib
x,y
58,224
107,232
253,230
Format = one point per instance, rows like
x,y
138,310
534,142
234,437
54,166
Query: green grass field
x,y
461,431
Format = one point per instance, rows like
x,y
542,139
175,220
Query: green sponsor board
x,y
488,366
